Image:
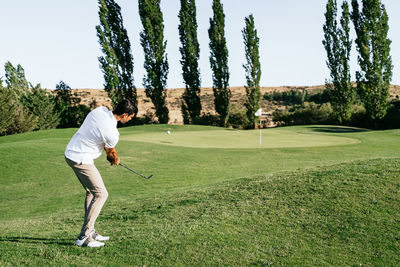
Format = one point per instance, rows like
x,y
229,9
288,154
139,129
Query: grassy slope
x,y
293,207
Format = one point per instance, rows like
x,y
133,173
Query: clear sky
x,y
56,40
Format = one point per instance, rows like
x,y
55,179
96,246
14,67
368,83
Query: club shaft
x,y
135,171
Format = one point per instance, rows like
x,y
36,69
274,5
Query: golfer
x,y
98,132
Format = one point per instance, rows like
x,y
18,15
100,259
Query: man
x,y
98,132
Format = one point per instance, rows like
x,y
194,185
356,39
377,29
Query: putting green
x,y
226,138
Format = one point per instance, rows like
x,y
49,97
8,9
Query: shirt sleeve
x,y
111,138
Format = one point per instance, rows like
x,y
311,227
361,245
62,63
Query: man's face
x,y
126,117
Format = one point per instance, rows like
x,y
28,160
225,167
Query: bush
x,y
208,119
359,117
292,97
298,97
78,114
310,113
148,118
392,117
238,118
320,97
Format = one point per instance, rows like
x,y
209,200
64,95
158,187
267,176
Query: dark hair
x,y
125,106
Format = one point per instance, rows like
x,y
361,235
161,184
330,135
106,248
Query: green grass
x,y
230,138
309,196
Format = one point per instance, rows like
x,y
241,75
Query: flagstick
x,y
259,114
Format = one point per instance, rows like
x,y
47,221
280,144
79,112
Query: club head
x,y
149,176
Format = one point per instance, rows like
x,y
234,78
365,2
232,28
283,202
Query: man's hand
x,y
112,156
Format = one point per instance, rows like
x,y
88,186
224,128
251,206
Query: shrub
x,y
392,117
148,118
298,97
319,97
78,114
358,117
238,118
209,119
292,97
310,113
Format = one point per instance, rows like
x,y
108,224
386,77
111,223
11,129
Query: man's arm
x,y
112,156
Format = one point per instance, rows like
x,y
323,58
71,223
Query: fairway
x,y
225,138
308,196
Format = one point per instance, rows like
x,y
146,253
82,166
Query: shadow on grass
x,y
338,129
37,240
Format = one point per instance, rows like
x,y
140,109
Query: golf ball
x,y
168,132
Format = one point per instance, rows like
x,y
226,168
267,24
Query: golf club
x,y
135,172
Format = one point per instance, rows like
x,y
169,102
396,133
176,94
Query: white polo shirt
x,y
98,130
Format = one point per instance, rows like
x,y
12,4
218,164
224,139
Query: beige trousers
x,y
96,193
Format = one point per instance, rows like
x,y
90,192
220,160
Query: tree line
x,y
117,62
372,80
364,102
25,107
375,64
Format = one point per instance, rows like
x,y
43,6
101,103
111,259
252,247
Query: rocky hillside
x,y
97,97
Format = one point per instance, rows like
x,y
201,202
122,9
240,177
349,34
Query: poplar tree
x,y
190,51
219,62
155,63
253,69
373,46
337,44
117,62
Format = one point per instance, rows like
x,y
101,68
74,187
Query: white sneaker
x,y
96,236
84,241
